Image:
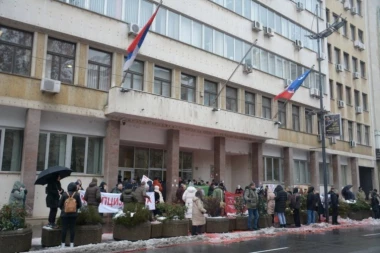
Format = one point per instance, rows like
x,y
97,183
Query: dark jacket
x,y
295,200
334,199
92,195
320,209
116,190
52,191
127,196
101,187
179,195
211,190
311,199
71,188
375,202
280,200
239,191
251,198
140,194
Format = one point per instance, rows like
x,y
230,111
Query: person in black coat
x,y
319,206
69,219
375,204
280,204
310,205
334,198
53,191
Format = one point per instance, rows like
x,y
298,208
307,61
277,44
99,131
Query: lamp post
x,y
321,35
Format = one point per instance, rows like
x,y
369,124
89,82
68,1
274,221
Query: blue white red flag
x,y
293,87
135,46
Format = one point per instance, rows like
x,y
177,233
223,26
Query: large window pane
x,y
94,155
160,21
269,169
41,152
126,157
131,11
229,47
97,6
173,25
146,12
264,60
185,30
12,150
57,150
238,50
197,34
219,43
156,158
78,151
141,158
208,39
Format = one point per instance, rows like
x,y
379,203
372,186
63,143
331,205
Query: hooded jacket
x,y
71,189
218,193
127,196
280,200
101,187
295,199
270,202
179,193
198,211
52,190
334,199
17,196
92,195
311,199
251,198
187,197
140,194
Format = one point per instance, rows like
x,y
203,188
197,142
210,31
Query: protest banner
x,y
150,203
110,202
230,202
146,179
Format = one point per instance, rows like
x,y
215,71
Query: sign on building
x,y
333,125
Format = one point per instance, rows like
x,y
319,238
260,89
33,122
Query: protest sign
x,y
110,202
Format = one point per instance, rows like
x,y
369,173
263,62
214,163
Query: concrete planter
x,y
217,225
137,233
232,221
241,223
156,230
16,240
359,215
289,219
51,237
174,228
265,221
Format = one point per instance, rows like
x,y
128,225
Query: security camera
x,y
278,123
124,90
123,122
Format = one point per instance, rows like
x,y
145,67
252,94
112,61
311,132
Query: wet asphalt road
x,y
361,240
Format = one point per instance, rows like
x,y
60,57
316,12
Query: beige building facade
x,y
166,119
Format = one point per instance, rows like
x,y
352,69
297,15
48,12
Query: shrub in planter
x,y
132,223
215,223
241,222
359,210
174,222
15,236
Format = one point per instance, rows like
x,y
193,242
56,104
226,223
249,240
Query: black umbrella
x,y
345,190
51,174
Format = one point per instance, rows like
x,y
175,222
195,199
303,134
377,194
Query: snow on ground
x,y
109,245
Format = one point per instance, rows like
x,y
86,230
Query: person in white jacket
x,y
188,197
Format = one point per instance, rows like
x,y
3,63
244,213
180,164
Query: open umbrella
x,y
51,173
345,191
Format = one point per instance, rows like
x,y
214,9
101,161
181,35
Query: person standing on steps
x,y
280,204
53,191
310,205
334,198
295,204
92,195
270,203
198,212
252,199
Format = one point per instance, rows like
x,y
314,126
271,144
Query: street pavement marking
x,y
372,234
270,250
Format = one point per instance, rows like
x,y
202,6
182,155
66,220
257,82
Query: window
x,y
329,52
361,36
309,120
337,55
359,7
301,172
365,102
85,153
99,70
344,29
210,94
11,144
229,47
249,103
354,64
357,98
188,88
342,136
331,84
344,174
231,99
185,30
350,131
348,96
208,39
329,174
273,170
346,61
60,61
15,51
186,165
135,76
362,69
296,117
359,133
282,114
173,25
162,81
267,108
366,135
160,21
339,91
353,32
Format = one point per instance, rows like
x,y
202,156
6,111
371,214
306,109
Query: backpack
x,y
71,204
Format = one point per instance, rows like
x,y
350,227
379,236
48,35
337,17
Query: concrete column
x,y
336,171
241,101
117,69
289,116
257,163
29,153
222,97
314,169
148,77
199,94
288,166
219,158
176,84
172,172
354,173
302,119
40,51
111,157
259,105
82,64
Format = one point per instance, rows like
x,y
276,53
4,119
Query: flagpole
x,y
225,84
278,110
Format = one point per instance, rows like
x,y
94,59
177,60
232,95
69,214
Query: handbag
x,y
276,220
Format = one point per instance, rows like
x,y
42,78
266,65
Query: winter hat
x,y
94,180
239,186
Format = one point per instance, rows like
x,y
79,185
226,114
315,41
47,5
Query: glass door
x,y
125,174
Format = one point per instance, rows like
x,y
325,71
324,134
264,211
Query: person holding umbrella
x,y
53,191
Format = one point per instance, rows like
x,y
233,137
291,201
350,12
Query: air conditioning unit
x,y
256,26
354,11
341,103
359,109
356,75
269,32
352,144
298,44
300,6
287,82
314,92
321,57
50,85
133,29
339,67
347,5
319,137
357,43
361,46
332,140
247,68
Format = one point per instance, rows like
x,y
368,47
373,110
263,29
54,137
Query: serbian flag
x,y
134,47
293,87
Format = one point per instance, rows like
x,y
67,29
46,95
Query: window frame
x,y
230,99
280,172
357,97
365,101
162,80
264,108
209,93
2,148
339,91
309,121
98,69
346,61
187,87
348,96
296,124
282,113
359,136
362,69
296,167
353,32
366,135
350,126
135,73
250,103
